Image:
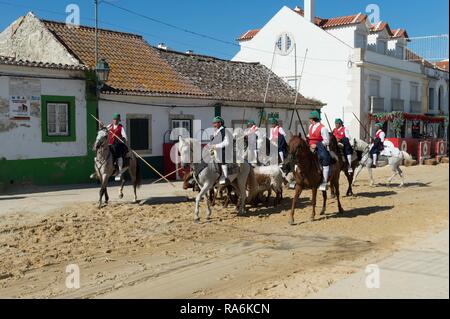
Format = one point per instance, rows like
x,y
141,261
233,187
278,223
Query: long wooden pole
x,y
365,129
301,123
329,126
301,77
157,181
137,155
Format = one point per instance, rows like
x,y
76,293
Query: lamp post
x,y
102,70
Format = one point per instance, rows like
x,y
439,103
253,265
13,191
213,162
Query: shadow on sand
x,y
412,185
356,212
376,194
12,198
151,201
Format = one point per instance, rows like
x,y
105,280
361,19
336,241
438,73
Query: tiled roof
x,y
335,22
320,22
400,33
342,21
135,66
414,57
250,34
381,26
233,81
12,61
443,65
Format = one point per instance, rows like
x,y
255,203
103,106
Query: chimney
x,y
309,11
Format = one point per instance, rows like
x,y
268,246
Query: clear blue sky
x,y
225,19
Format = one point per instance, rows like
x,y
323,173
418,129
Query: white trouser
x,y
281,156
326,172
349,158
225,171
375,157
120,164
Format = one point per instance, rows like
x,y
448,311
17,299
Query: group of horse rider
x,y
318,138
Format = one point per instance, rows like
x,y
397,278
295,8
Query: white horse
x,y
105,168
391,156
207,174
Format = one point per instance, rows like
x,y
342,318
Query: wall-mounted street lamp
x,y
102,70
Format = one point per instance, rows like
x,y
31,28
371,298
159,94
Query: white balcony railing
x,y
376,104
398,105
416,107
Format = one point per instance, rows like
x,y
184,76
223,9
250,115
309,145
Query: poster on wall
x,y
19,108
25,98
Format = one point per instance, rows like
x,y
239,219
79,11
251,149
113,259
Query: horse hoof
x,y
208,220
312,219
291,222
197,220
321,214
120,196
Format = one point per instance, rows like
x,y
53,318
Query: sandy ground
x,y
156,251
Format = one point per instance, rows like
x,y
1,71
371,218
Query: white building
x,y
155,90
351,65
43,127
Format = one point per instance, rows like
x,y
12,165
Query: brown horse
x,y
308,174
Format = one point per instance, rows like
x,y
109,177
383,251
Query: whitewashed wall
x,y
204,111
160,115
23,139
327,77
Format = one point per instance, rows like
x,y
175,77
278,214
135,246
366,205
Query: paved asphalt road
x,y
419,272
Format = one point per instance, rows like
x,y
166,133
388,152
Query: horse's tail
x,y
138,177
406,156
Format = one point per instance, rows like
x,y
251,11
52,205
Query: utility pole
x,y
97,83
96,31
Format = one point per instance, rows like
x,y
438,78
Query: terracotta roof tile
x,y
414,57
320,22
233,81
135,66
250,34
34,64
443,65
342,21
400,33
381,26
336,22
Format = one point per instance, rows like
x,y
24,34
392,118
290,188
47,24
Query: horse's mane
x,y
300,148
333,144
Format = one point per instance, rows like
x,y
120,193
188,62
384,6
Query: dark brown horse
x,y
308,174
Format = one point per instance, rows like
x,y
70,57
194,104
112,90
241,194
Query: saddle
x,y
334,156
